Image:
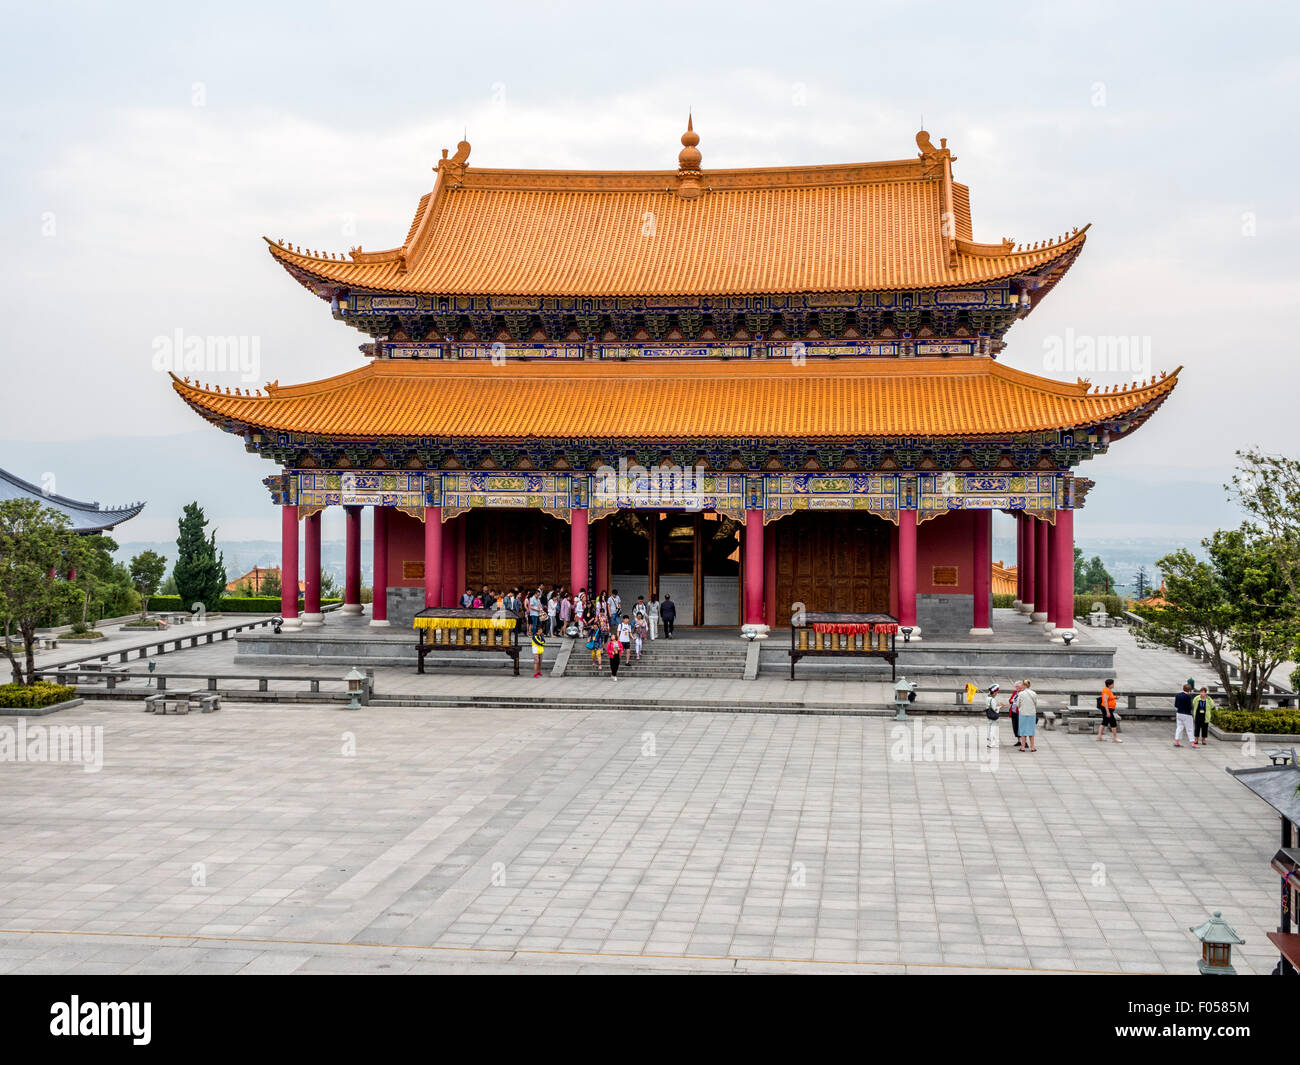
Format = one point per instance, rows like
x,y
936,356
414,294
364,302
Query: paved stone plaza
x,y
255,840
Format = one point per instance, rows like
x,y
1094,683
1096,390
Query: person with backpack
x,y
625,632
991,712
1106,704
668,614
1202,713
614,650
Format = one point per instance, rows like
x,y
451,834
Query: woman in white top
x,y
652,617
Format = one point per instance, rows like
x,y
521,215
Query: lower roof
x,y
662,400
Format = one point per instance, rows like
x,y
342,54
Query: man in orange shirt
x,y
1106,701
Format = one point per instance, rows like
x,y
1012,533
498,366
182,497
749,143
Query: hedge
x,y
251,604
1083,604
1002,602
1264,722
34,696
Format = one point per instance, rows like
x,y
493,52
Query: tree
x,y
37,546
271,583
1234,602
1141,583
329,588
200,570
1096,578
147,569
1268,489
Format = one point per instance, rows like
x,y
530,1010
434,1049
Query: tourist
x,y
614,650
476,602
625,632
617,604
595,646
1013,712
991,712
668,613
535,611
652,617
1183,715
552,612
1106,704
1202,712
539,649
467,600
566,612
1028,718
639,633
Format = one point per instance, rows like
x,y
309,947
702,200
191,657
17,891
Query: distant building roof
x,y
254,577
85,517
1004,579
1275,784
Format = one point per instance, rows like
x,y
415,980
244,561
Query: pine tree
x,y
200,571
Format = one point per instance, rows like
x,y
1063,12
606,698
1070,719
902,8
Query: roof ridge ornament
x,y
688,163
455,167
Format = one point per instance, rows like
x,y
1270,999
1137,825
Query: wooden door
x,y
831,561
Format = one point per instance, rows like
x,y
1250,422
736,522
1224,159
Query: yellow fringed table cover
x,y
451,621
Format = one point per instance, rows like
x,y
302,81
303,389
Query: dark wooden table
x,y
807,642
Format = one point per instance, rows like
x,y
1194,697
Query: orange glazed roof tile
x,y
648,399
1004,579
858,227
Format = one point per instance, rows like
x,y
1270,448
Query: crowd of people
x,y
609,628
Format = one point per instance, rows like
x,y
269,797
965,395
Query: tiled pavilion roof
x,y
653,399
84,517
860,227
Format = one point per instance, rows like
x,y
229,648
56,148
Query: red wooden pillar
x,y
602,558
379,605
907,572
982,571
311,612
1042,571
769,580
289,566
451,536
352,560
753,555
1020,558
893,570
1062,597
1029,556
578,551
432,556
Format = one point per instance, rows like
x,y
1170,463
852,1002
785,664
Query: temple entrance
x,y
509,548
831,561
693,557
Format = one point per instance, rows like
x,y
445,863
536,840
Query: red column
x,y
379,607
462,561
311,612
907,571
769,579
352,561
289,566
893,570
1029,544
1042,571
1020,557
753,586
1062,598
432,556
602,558
450,552
982,569
578,554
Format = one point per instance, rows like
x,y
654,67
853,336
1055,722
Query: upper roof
x,y
84,517
653,400
857,227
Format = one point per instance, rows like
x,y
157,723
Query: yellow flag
x,y
970,692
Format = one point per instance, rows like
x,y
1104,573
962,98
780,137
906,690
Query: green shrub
x,y
1083,604
1264,722
234,604
1002,602
87,634
34,696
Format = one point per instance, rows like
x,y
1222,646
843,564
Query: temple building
x,y
750,389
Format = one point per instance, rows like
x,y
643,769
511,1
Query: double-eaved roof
x,y
84,517
859,227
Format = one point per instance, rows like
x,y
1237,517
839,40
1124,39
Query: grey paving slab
x,y
270,838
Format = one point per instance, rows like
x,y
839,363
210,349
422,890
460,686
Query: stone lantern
x,y
904,693
356,679
1217,940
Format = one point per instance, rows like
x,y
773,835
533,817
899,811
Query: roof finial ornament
x,y
688,162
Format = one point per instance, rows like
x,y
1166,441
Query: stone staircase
x,y
678,657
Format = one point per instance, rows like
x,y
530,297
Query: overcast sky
x,y
147,148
